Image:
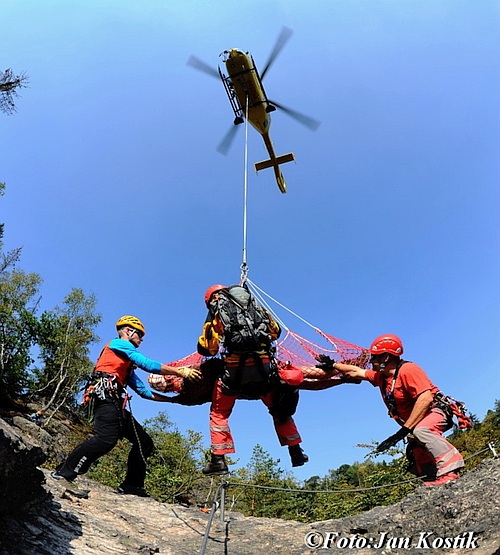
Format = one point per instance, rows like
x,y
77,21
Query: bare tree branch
x,y
9,83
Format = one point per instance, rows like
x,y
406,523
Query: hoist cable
x,y
266,305
244,266
283,306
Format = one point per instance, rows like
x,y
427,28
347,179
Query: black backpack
x,y
246,323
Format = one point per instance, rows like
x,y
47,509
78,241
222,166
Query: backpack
x,y
246,323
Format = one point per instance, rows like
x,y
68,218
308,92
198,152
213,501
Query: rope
x,y
266,305
283,306
355,490
139,444
244,266
491,447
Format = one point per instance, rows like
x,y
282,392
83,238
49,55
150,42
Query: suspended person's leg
x,y
221,438
281,406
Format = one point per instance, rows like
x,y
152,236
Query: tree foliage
x,y
9,85
7,259
58,338
19,296
64,336
175,462
474,441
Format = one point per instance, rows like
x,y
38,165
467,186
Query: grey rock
x,y
53,522
20,478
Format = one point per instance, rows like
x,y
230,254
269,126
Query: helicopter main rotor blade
x,y
228,139
283,37
301,118
200,65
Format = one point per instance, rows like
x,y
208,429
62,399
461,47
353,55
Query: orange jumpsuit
x,y
222,403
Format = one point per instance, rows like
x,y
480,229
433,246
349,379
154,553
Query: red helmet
x,y
211,290
387,343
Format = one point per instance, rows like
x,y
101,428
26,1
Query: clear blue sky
x,y
391,219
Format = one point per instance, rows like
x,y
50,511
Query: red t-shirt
x,y
411,381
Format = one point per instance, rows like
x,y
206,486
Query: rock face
x,y
20,479
38,517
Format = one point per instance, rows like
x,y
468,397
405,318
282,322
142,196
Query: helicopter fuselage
x,y
249,101
245,87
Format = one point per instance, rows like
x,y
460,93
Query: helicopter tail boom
x,y
274,162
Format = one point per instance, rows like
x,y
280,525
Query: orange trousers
x,y
434,455
220,433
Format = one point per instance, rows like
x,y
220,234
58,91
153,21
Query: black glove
x,y
392,440
347,379
325,363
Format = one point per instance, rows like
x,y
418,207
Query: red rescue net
x,y
294,353
297,364
302,352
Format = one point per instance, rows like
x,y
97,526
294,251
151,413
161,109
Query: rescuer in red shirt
x,y
418,406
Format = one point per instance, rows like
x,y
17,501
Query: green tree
x,y
174,467
263,495
18,301
473,444
18,327
64,336
8,259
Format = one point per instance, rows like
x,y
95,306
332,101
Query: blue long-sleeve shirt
x,y
126,350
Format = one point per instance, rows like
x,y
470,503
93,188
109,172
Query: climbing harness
x,y
100,386
291,347
451,407
388,397
448,405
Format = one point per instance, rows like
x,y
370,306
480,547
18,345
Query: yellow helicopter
x,y
248,99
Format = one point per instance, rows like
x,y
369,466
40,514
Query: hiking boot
x,y
444,479
297,456
216,466
124,489
71,486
